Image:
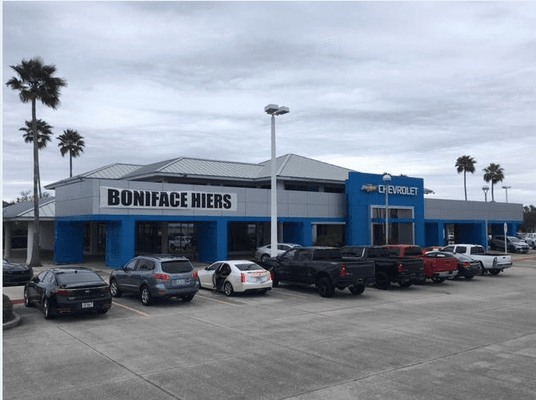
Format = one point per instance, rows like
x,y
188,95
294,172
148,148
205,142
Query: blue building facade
x,y
120,211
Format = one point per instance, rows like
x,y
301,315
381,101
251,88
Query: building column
x,y
120,242
7,240
69,242
165,237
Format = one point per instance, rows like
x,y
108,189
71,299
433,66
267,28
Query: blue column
x,y
213,241
120,242
69,242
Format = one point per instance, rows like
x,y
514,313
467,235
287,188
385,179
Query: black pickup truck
x,y
389,267
323,267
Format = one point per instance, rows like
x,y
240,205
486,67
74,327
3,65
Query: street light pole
x,y
386,179
273,110
506,189
485,190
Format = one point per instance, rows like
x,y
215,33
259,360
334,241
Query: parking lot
x,y
455,340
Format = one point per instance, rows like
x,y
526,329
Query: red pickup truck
x,y
438,265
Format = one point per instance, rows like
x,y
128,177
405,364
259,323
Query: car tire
x,y
188,298
228,289
264,257
357,289
47,311
469,276
382,280
325,288
145,296
494,271
114,289
27,301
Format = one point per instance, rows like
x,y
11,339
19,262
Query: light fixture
x,y
485,190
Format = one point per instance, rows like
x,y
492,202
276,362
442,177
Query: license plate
x,y
87,305
179,282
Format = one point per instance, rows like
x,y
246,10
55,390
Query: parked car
x,y
15,274
324,267
180,242
438,266
467,267
491,263
235,276
68,290
264,252
530,239
389,267
513,244
156,276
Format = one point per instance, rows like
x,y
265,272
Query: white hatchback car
x,y
235,276
263,253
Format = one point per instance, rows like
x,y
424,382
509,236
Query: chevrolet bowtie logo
x,y
369,188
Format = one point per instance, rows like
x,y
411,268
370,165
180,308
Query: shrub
x,y
8,309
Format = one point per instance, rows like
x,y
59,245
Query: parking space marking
x,y
217,301
132,309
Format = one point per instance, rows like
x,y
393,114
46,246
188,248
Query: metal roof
x,y
47,209
289,166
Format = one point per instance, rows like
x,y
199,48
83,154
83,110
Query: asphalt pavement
x,y
461,339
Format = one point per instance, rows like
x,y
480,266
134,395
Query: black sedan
x,y
68,290
16,274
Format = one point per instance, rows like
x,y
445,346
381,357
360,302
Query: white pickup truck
x,y
491,263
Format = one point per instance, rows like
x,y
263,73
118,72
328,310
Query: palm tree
x,y
465,164
71,142
44,131
494,174
35,82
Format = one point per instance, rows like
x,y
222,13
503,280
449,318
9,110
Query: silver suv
x,y
156,276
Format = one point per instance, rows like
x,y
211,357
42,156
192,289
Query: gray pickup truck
x,y
323,267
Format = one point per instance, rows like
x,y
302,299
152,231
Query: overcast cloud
x,y
400,87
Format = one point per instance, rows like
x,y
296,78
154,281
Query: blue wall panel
x,y
69,242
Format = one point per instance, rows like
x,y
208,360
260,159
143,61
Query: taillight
x,y
195,275
161,277
466,265
343,270
63,292
400,267
243,278
272,275
106,289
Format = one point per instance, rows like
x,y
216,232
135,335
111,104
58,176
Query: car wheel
x,y
357,289
114,289
27,302
437,279
188,298
145,296
382,280
325,288
47,312
482,269
264,257
494,271
228,289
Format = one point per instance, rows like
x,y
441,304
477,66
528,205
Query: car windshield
x,y
248,267
514,239
73,277
177,266
477,250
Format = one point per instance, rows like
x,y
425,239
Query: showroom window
x,y
401,225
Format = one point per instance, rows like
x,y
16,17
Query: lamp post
x,y
386,179
273,110
485,190
506,189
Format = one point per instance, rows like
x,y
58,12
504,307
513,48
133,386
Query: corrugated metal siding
x,y
294,166
113,171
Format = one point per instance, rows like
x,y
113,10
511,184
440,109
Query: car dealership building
x,y
221,209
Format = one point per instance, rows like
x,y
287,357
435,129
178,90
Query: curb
x,y
13,323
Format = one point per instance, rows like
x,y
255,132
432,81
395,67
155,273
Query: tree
x,y
465,164
36,82
71,142
494,173
44,131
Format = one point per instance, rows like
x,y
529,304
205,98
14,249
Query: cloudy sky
x,y
400,87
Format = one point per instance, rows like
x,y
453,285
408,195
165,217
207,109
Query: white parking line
x,y
132,309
